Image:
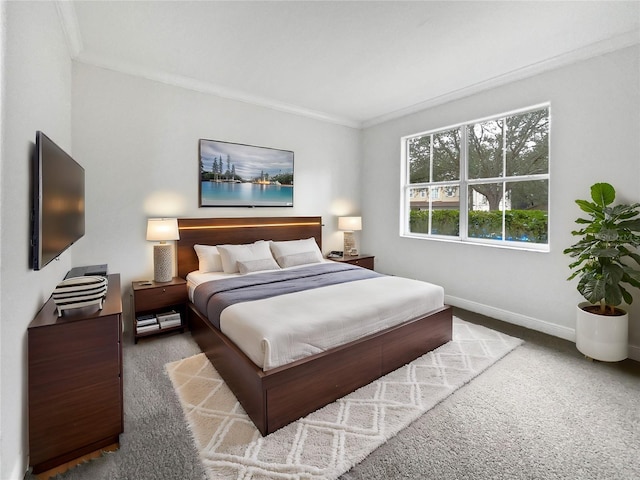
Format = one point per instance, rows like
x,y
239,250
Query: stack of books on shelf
x,y
169,319
146,323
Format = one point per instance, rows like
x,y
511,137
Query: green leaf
x,y
603,194
607,235
612,273
592,288
588,206
635,256
633,225
632,273
613,294
605,252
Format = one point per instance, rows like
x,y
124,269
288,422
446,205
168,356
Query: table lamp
x,y
349,225
162,230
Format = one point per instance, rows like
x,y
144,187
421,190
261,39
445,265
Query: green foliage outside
x,y
529,226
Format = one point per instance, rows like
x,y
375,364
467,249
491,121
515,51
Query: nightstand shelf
x,y
152,298
365,261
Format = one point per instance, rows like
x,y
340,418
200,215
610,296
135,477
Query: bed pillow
x,y
208,258
296,252
232,254
297,259
259,265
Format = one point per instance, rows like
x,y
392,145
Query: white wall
x,y
138,142
595,120
36,77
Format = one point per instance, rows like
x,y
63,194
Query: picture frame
x,y
239,175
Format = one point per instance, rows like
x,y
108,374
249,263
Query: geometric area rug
x,y
330,441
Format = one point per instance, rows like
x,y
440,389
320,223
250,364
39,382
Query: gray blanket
x,y
211,298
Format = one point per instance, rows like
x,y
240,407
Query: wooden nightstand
x,y
165,303
365,261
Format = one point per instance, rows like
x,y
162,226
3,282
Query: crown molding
x,y
71,28
595,49
210,88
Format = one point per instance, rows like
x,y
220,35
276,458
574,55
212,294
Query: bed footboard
x,y
280,396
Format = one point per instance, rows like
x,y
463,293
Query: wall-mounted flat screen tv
x,y
237,175
58,202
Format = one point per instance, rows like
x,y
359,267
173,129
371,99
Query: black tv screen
x,y
58,201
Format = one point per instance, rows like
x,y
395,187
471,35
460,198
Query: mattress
x,y
278,330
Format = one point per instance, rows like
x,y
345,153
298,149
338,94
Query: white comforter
x,y
279,330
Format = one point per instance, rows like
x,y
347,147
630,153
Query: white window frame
x,y
463,184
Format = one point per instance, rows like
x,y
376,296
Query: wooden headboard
x,y
219,231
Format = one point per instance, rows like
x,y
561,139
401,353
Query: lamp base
x,y
162,263
349,243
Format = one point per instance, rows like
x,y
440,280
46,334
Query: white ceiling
x,y
351,62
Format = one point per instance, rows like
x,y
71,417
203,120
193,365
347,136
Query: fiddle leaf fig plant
x,y
606,250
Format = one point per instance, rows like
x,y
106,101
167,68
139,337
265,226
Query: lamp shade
x,y
162,229
350,224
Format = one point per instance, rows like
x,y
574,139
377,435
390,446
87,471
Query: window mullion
x,y
516,178
405,201
430,183
504,182
464,189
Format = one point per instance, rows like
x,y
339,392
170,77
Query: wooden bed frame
x,y
282,395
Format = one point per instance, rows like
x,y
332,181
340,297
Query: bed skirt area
x,y
281,395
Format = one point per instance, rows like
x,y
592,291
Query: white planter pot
x,y
602,337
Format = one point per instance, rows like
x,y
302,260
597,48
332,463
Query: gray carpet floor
x,y
542,412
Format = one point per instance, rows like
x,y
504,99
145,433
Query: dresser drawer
x,y
62,422
73,355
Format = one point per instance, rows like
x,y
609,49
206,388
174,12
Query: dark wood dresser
x,y
75,381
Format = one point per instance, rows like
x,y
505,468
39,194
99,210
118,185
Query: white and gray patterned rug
x,y
328,442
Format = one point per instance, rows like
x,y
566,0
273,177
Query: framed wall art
x,y
237,175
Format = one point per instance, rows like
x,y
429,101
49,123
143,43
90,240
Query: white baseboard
x,y
525,321
19,468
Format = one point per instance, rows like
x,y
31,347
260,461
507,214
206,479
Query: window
x,y
496,169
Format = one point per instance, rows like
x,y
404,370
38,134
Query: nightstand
x,y
159,307
365,261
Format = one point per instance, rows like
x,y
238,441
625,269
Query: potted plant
x,y
604,256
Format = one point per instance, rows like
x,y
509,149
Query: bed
x,y
276,394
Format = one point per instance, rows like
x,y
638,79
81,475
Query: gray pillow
x,y
298,259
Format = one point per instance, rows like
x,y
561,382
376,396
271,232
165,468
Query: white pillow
x,y
232,254
208,258
249,266
297,259
296,247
